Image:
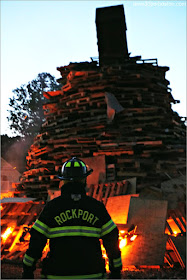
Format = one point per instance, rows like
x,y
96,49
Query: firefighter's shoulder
x,y
51,205
98,205
53,201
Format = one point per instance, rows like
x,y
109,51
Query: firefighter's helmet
x,y
74,169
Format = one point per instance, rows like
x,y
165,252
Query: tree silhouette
x,y
26,113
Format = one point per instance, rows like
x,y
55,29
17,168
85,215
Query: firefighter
x,y
74,223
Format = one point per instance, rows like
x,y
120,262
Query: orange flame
x,y
16,239
6,234
124,237
104,254
45,250
8,194
123,243
175,233
133,238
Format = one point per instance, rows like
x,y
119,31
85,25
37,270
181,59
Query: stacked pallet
x,y
145,139
17,217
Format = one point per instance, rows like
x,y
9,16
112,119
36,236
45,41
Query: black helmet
x,y
74,169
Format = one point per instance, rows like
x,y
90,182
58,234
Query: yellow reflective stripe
x,y
117,262
41,227
68,164
107,224
66,231
82,163
38,222
26,263
27,260
74,234
74,231
75,227
88,276
76,164
108,227
30,258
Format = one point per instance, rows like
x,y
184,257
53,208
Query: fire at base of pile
x,y
125,239
146,237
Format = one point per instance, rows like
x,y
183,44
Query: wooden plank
x,y
177,223
112,192
51,94
180,216
170,241
100,193
131,174
107,192
168,227
35,210
21,253
118,189
95,191
24,214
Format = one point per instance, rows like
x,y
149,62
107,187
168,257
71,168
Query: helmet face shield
x,y
75,169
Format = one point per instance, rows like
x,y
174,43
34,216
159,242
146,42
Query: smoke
x,y
15,153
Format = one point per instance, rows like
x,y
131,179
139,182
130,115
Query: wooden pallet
x,y
146,139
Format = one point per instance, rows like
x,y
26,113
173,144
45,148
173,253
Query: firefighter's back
x,y
74,228
74,223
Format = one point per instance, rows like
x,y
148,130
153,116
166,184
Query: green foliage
x,y
26,113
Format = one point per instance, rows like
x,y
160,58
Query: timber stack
x,y
118,108
145,139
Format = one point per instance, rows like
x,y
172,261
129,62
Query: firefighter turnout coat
x,y
74,225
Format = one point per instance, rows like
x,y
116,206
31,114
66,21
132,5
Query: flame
x,y
14,167
133,237
123,243
8,194
124,238
175,233
16,240
15,234
104,254
6,234
25,117
1,207
45,250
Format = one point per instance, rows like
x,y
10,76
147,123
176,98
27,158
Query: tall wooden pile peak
x,y
122,111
